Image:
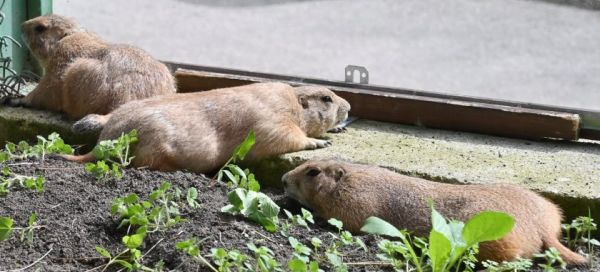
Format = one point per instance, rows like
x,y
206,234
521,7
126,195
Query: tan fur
x,y
84,74
353,192
199,131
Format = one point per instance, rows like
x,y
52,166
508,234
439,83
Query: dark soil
x,y
75,212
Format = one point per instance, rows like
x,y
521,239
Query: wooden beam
x,y
418,110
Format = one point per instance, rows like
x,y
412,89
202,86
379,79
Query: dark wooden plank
x,y
433,112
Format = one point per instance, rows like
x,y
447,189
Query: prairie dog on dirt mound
x,y
352,193
84,74
199,131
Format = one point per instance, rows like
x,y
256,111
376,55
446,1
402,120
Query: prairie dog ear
x,y
339,174
303,100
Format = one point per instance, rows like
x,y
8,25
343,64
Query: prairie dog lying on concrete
x,y
199,131
84,74
354,192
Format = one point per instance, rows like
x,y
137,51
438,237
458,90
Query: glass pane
x,y
530,51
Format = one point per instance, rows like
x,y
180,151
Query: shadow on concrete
x,y
243,3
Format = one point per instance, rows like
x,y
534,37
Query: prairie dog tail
x,y
89,157
565,253
90,123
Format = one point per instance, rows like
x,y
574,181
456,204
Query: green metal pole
x,y
14,13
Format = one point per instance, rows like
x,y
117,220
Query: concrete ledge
x,y
22,124
567,172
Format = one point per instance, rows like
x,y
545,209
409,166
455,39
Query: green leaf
x,y
133,241
103,252
253,184
487,226
6,229
439,250
297,265
125,264
242,150
439,223
335,260
336,223
32,219
378,226
191,197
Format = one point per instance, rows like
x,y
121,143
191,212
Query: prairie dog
x,y
353,192
84,74
199,131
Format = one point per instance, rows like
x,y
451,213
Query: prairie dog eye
x,y
326,99
40,28
313,172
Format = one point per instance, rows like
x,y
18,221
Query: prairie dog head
x,y
41,34
323,109
316,182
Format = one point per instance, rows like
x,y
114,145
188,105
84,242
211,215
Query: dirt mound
x,y
75,210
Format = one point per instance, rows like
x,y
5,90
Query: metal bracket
x,y
363,74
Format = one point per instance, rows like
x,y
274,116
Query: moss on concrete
x,y
21,124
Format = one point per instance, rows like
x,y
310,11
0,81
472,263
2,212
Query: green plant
x,y
238,178
112,157
343,238
53,145
552,257
256,206
190,247
579,233
131,257
265,261
451,244
519,264
8,179
159,212
192,198
296,220
6,228
229,260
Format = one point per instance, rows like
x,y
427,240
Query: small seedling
x,y
131,257
552,257
232,260
112,157
192,198
190,247
296,220
6,228
256,206
301,251
517,265
53,145
8,180
238,178
343,238
265,259
158,213
579,233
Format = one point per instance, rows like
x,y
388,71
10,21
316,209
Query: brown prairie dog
x,y
199,131
84,74
354,192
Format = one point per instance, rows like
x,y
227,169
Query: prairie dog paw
x,y
317,143
337,129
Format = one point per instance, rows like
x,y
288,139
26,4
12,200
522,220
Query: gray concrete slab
x,y
530,51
